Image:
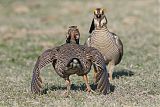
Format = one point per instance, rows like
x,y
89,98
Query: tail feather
x,y
74,63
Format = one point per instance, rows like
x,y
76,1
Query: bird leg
x,y
95,73
111,68
85,78
68,84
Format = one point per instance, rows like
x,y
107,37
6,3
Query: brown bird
x,y
108,43
71,58
73,35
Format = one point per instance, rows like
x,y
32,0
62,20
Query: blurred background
x,y
28,27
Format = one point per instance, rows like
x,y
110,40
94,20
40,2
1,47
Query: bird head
x,y
99,21
73,35
98,13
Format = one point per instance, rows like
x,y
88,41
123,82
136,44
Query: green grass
x,y
27,28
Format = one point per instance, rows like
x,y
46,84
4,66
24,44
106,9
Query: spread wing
x,y
102,76
46,58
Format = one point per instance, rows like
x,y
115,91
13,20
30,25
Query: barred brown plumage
x,y
72,58
108,43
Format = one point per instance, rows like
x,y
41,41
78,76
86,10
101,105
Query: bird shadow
x,y
74,87
82,87
122,72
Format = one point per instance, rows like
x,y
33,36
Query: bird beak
x,y
98,15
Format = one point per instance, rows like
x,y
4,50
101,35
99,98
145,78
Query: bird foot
x,y
66,94
89,91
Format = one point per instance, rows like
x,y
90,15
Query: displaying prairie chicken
x,y
71,58
108,43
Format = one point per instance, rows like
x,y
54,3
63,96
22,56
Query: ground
x,y
28,27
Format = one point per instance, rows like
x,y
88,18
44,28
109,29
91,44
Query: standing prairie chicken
x,y
108,43
71,58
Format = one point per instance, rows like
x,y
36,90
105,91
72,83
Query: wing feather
x,y
102,76
46,58
119,45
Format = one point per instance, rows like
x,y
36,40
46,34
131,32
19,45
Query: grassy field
x,y
28,27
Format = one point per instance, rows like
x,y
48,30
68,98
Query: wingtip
x,y
103,84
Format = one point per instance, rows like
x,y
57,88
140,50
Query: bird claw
x,y
66,94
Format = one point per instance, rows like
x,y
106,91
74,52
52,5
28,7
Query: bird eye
x,y
95,12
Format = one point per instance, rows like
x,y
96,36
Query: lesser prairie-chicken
x,y
72,58
108,43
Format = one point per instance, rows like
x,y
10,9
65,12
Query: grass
x,y
29,27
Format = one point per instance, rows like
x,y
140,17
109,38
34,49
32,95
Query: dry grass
x,y
28,27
